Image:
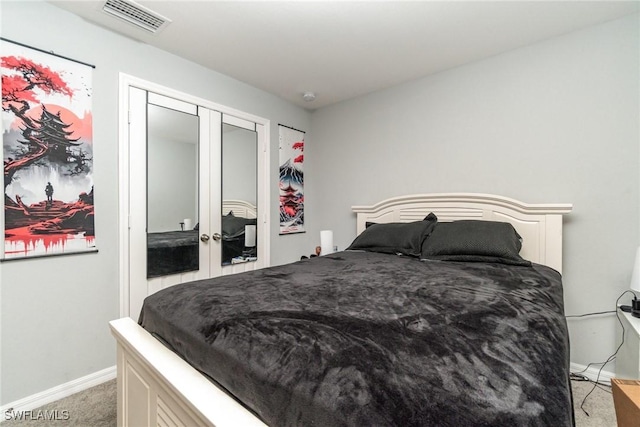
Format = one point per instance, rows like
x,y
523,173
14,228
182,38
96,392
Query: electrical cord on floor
x,y
583,378
575,375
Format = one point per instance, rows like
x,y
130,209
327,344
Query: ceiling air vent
x,y
136,14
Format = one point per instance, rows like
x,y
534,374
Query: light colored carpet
x,y
599,405
96,407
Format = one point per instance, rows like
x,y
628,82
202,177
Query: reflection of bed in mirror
x,y
173,252
237,244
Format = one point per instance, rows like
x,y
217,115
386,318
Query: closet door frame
x,y
125,179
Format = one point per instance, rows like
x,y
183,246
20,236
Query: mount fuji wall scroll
x,y
291,181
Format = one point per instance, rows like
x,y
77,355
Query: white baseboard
x,y
59,392
592,373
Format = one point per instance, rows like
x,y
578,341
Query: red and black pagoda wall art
x,y
291,181
48,153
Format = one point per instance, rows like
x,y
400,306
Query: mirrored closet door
x,y
239,191
173,188
194,195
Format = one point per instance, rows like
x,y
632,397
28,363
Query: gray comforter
x,y
369,339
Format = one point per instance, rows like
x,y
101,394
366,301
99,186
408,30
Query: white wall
x,y
557,121
54,311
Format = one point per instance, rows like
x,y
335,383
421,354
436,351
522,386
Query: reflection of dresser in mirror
x,y
175,175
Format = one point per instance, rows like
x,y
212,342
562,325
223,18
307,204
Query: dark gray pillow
x,y
474,241
397,237
233,226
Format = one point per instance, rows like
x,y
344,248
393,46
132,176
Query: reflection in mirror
x,y
239,194
172,192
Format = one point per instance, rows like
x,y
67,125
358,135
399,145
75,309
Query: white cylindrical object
x,y
188,224
635,274
249,236
326,242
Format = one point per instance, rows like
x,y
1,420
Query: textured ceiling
x,y
342,49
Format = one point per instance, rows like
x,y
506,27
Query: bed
x,y
365,337
173,252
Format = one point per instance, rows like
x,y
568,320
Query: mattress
x,y
363,338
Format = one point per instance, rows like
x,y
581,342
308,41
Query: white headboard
x,y
239,208
539,225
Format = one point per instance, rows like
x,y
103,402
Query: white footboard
x,y
158,388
